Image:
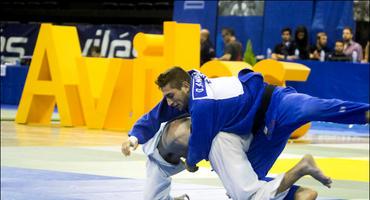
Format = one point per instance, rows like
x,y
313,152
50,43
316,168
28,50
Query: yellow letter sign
x,y
52,79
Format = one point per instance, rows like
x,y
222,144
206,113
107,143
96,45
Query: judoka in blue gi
x,y
246,107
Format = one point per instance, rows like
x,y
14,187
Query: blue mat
x,y
26,184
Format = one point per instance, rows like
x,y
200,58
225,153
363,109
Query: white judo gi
x,y
228,159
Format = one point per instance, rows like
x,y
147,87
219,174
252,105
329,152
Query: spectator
x,y
321,44
301,41
207,51
95,51
362,19
349,45
367,52
233,48
285,50
338,53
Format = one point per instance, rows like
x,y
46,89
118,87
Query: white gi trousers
x,y
229,160
158,171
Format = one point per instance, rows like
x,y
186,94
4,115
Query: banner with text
x,y
18,40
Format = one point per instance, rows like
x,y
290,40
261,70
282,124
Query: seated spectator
x,y
349,45
207,51
233,48
321,44
94,51
301,41
338,54
285,50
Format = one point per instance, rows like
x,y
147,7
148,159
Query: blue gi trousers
x,y
289,110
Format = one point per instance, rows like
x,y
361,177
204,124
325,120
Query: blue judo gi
x,y
229,104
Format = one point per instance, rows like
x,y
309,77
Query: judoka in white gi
x,y
169,144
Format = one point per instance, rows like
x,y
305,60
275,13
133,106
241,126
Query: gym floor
x,y
53,162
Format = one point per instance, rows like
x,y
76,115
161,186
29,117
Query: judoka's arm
x,y
148,125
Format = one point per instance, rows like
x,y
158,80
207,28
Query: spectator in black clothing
x,y
233,48
285,50
338,54
207,51
321,44
301,41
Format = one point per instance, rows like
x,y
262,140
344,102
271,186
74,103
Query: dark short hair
x,y
340,41
319,34
229,30
348,28
175,76
287,29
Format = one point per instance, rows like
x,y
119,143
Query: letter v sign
x,y
105,91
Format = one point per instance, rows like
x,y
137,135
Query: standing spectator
x,y
366,53
349,45
233,48
338,54
362,19
321,44
207,51
301,41
285,50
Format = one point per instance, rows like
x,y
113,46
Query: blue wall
x,y
200,12
264,31
281,14
342,80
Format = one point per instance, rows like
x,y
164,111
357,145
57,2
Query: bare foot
x,y
308,167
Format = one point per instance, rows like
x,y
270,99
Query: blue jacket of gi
x,y
224,104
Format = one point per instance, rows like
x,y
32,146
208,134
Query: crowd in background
x,y
291,47
299,48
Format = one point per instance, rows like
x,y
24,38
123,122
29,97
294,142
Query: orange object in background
x,y
101,92
112,93
52,79
178,46
105,90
